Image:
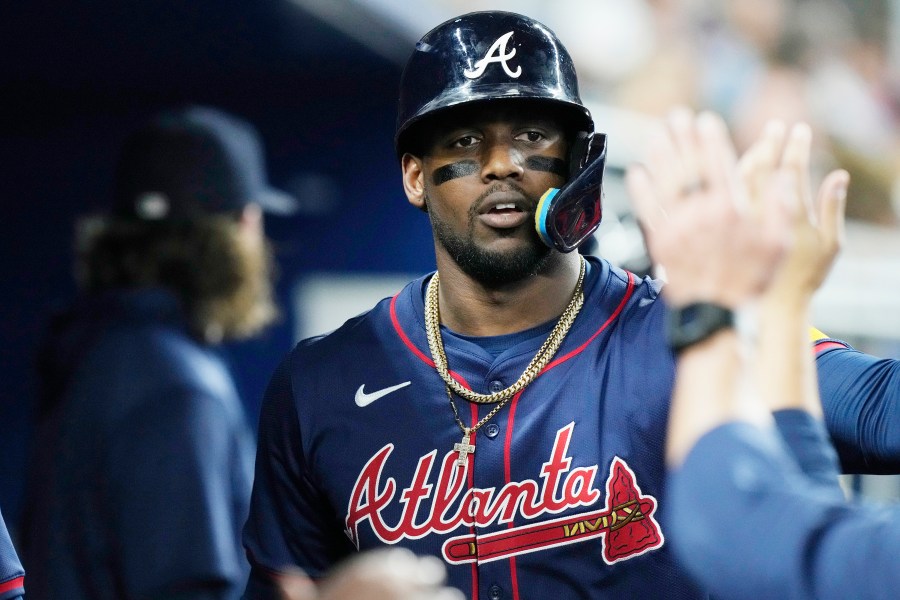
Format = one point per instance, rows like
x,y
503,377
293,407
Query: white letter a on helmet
x,y
497,53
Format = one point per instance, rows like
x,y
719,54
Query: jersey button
x,y
495,592
492,430
497,386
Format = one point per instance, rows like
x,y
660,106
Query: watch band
x,y
693,323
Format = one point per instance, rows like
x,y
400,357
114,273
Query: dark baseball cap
x,y
193,162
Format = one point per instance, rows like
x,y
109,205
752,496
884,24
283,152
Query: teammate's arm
x,y
786,369
718,245
743,518
860,393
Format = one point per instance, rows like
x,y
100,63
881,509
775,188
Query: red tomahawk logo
x,y
626,522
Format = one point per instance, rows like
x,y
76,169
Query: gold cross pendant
x,y
464,448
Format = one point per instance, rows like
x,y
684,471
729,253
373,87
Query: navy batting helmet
x,y
484,56
491,56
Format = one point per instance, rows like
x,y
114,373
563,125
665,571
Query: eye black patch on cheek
x,y
455,170
548,164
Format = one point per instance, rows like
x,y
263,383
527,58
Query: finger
x,y
777,210
759,162
644,199
718,157
663,163
796,160
772,140
682,126
748,166
441,594
430,571
832,201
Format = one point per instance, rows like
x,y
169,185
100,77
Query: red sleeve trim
x,y
612,317
826,345
12,584
412,347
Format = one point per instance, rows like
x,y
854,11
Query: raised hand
x,y
818,224
716,241
787,372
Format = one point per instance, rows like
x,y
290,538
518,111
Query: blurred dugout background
x,y
319,78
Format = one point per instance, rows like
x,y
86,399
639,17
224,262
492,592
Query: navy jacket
x,y
758,526
142,469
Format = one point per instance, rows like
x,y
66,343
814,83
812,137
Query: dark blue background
x,y
76,77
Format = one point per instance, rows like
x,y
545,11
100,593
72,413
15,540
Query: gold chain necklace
x,y
544,355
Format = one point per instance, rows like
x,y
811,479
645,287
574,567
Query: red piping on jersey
x,y
402,334
396,322
828,345
612,317
512,411
403,337
471,481
507,472
12,584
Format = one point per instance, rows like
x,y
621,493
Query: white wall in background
x,y
323,301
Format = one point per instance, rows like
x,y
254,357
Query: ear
x,y
413,180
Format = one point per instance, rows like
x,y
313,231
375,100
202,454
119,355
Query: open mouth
x,y
505,215
506,207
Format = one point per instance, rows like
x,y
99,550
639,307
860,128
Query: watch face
x,y
690,314
691,320
696,322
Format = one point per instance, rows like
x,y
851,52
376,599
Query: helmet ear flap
x,y
567,216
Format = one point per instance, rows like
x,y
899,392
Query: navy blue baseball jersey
x,y
563,496
861,400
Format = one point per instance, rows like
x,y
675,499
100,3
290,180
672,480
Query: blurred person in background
x,y
142,465
823,62
12,576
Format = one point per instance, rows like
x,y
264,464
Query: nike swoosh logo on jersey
x,y
364,399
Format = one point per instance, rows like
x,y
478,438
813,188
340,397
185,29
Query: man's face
x,y
480,178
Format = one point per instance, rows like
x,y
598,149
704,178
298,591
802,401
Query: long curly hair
x,y
222,278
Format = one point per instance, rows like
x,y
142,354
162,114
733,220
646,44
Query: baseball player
x,y
508,412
